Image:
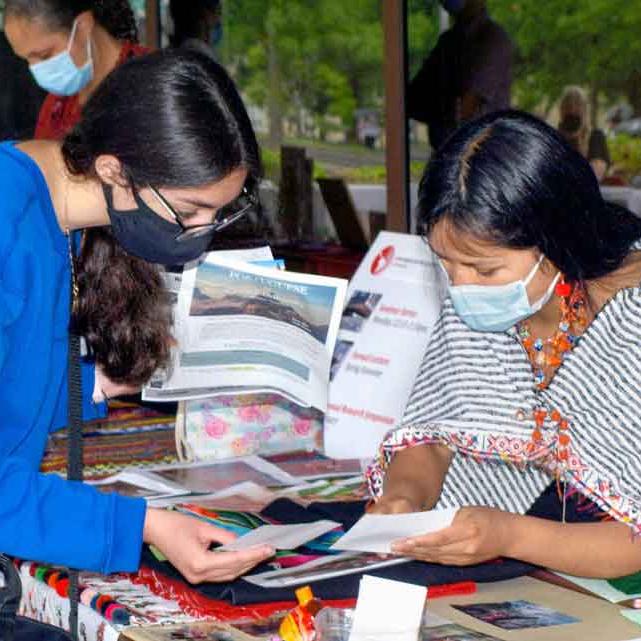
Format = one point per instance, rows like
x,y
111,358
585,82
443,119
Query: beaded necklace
x,y
546,355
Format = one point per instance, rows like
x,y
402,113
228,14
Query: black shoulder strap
x,y
74,452
9,598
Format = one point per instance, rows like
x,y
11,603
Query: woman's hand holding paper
x,y
477,534
186,541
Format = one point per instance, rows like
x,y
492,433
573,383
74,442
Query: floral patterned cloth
x,y
227,426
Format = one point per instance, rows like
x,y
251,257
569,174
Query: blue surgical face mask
x,y
59,75
496,308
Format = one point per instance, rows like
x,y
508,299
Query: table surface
x,y
599,620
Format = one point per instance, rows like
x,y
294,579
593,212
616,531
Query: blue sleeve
x,y
46,518
90,410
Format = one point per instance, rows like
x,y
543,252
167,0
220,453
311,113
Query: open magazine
x,y
242,328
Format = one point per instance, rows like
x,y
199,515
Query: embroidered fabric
x,y
475,393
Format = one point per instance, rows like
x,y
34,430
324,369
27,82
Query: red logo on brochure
x,y
382,260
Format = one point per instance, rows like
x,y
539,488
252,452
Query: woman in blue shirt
x,y
160,161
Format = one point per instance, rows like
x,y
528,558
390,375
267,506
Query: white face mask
x,y
495,308
59,75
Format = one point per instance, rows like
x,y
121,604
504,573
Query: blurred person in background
x,y
20,99
196,24
466,75
70,46
574,126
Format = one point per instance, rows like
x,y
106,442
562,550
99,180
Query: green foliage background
x,y
328,55
330,52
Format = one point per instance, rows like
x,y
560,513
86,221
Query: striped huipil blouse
x,y
475,393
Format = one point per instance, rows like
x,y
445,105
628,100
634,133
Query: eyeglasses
x,y
226,216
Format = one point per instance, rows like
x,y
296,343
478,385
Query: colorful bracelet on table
x,y
58,580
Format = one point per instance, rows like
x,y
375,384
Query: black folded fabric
x,y
240,592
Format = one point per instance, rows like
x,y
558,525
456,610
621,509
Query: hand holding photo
x,y
377,532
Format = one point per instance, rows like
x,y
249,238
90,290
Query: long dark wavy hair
x,y
115,16
173,119
511,179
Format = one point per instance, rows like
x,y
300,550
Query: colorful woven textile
x,y
130,436
58,579
198,605
42,602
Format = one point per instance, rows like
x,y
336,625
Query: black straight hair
x,y
173,118
511,179
115,16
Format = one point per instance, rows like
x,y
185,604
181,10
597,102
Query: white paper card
x,y
282,537
387,610
376,532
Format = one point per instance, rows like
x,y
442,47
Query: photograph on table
x,y
321,568
265,628
214,476
311,465
128,489
516,615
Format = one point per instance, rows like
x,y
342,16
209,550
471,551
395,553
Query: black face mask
x,y
142,232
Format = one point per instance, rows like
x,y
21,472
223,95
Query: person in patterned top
x,y
525,413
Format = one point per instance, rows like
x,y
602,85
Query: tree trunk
x,y
274,102
633,92
352,131
594,106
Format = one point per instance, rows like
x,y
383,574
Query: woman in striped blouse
x,y
527,408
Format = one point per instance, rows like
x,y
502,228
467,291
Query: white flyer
x,y
244,328
387,610
282,537
377,532
393,302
